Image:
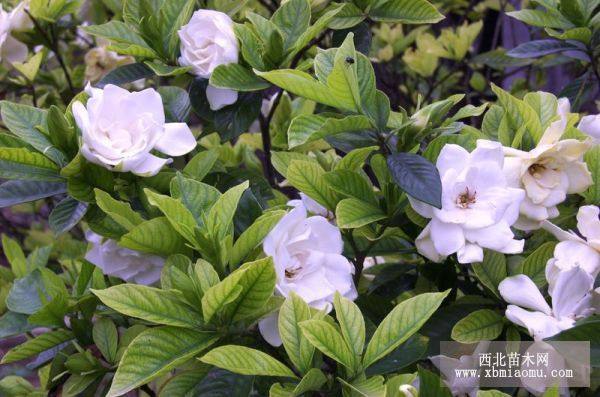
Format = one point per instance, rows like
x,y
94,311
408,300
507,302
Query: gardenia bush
x,y
293,198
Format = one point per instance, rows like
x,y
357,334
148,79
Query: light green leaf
x,y
372,387
245,361
309,178
351,322
154,352
300,351
351,184
119,211
16,258
30,68
198,197
106,338
312,381
155,236
122,38
236,77
404,11
37,345
220,217
484,324
329,341
355,159
221,294
592,159
282,160
520,113
352,213
151,304
309,128
491,393
21,163
178,215
201,164
66,215
402,322
293,19
316,28
542,19
254,235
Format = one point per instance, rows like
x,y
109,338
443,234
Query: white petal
x,y
470,253
144,165
218,98
488,151
451,157
269,329
13,51
425,245
570,289
539,325
579,176
588,222
590,125
520,290
177,140
447,238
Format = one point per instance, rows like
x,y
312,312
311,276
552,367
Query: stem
x,y
148,390
265,122
52,43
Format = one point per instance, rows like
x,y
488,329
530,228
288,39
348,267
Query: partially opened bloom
x,y
478,206
208,41
307,253
12,50
549,172
590,125
129,265
574,250
450,366
571,300
119,129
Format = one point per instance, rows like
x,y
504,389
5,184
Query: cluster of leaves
x,y
332,132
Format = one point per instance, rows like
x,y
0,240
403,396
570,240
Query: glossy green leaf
x,y
246,361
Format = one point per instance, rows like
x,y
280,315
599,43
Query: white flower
x,y
571,300
460,386
307,252
549,172
129,265
12,50
119,129
478,206
573,250
208,41
312,206
591,126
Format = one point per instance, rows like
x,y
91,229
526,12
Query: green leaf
x,y
162,69
126,74
373,387
282,160
254,235
351,184
351,322
179,216
409,352
155,236
29,294
236,77
300,351
352,213
520,113
586,330
405,11
417,177
258,283
176,102
538,48
491,393
592,159
355,159
492,270
312,381
173,15
106,338
402,322
150,304
302,84
246,361
343,78
198,197
201,164
66,215
12,324
16,258
124,40
155,352
217,383
220,217
24,121
293,19
541,18
119,211
312,127
221,294
329,341
431,385
21,163
534,266
37,345
316,28
484,324
309,178
30,68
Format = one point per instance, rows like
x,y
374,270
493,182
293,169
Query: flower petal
x,y
269,329
539,325
570,289
588,222
177,140
520,290
145,165
218,98
447,238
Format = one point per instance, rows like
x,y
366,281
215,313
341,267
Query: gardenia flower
x,y
129,265
571,300
590,125
548,173
574,250
478,206
459,386
208,41
315,208
307,252
12,50
119,129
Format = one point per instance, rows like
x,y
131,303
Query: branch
x,y
265,123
